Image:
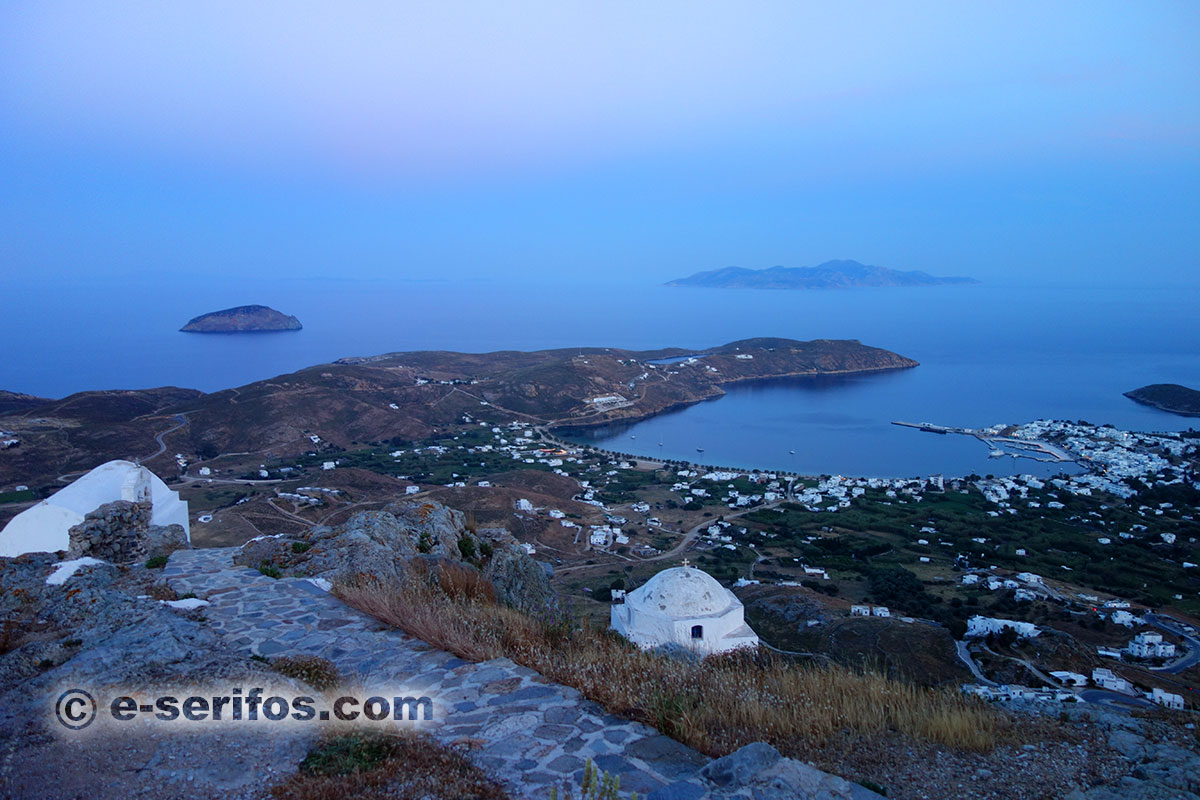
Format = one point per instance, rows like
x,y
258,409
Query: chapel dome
x,y
681,592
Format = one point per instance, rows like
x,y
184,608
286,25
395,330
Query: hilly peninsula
x,y
402,397
842,274
1169,397
243,319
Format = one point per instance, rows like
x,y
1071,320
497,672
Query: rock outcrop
x,y
381,545
99,632
1159,766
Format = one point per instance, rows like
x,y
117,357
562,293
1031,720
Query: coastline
x,y
719,393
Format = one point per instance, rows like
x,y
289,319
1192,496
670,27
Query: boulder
x,y
162,540
741,766
519,580
759,771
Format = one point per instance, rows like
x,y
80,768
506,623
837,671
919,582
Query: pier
x,y
1035,449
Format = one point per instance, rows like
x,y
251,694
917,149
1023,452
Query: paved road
x,y
162,446
1107,698
964,655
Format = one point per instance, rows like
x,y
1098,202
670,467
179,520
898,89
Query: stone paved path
x,y
532,732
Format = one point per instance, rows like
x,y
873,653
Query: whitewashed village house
x,y
1167,699
1150,645
45,527
683,606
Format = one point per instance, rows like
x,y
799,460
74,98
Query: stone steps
x,y
527,731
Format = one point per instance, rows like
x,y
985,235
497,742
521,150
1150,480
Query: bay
x,y
988,354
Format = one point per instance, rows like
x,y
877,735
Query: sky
x,y
1022,143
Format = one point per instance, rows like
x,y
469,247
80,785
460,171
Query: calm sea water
x,y
988,354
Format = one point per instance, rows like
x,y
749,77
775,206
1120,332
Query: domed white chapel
x,y
683,606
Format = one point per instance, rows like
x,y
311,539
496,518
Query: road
x,y
162,446
964,655
692,533
1114,699
688,538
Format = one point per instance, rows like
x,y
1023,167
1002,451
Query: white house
x,y
1122,618
982,626
1150,645
860,611
1107,679
1167,699
45,527
1072,678
683,606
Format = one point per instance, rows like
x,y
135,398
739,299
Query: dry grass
x,y
161,591
457,581
319,673
363,766
715,705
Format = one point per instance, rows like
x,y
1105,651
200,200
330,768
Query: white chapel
x,y
45,527
683,606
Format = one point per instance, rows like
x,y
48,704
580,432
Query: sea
x,y
988,354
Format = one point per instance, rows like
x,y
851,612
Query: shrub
x,y
873,786
466,546
385,767
158,562
357,752
319,673
301,547
270,570
596,785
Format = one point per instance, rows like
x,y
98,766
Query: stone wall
x,y
115,532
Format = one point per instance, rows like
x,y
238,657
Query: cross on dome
x,y
686,563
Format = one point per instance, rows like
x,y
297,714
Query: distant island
x,y
1169,397
842,274
243,319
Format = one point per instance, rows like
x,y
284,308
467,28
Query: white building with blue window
x,y
683,606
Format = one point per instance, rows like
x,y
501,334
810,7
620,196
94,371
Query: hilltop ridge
x,y
407,396
837,274
1169,397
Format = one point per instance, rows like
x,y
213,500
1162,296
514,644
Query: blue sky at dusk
x,y
633,142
